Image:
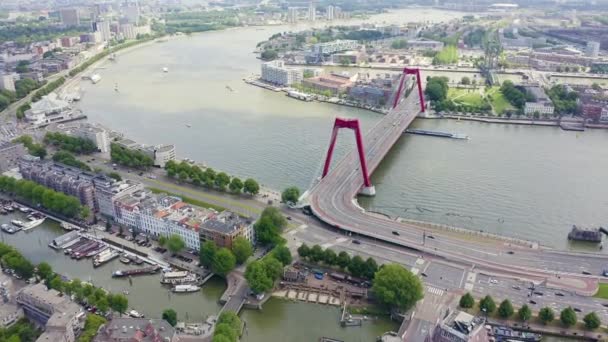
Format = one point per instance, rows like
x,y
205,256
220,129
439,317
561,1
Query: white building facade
x,y
275,72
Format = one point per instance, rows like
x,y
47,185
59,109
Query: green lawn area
x,y
498,101
602,292
189,200
464,96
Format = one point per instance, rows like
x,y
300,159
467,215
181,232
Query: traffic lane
x,y
444,276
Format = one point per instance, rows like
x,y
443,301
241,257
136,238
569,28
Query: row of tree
x,y
10,258
219,260
50,87
546,315
209,178
69,159
227,328
39,195
356,266
91,327
69,143
174,243
564,101
32,148
516,95
130,158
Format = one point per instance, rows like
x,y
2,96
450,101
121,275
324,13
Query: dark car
x,y
396,233
430,237
576,310
559,294
356,242
510,252
538,293
586,273
423,274
532,302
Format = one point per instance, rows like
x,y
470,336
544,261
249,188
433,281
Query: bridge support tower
x,y
368,189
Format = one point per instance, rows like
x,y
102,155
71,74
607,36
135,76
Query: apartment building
x,y
48,308
226,227
276,72
10,154
107,191
126,329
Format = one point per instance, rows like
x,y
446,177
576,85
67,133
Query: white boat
x,y
188,125
5,226
68,226
17,223
135,314
33,224
24,209
95,78
105,256
185,288
165,69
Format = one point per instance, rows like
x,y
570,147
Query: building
x,y
107,191
335,83
292,15
592,49
69,41
7,82
103,27
460,326
312,11
96,134
69,16
161,154
9,311
226,227
10,155
542,103
69,180
128,31
48,109
331,12
276,72
131,12
126,329
329,48
48,308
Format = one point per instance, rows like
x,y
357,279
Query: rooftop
x,y
136,329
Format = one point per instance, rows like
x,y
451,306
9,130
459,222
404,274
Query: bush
x,y
467,301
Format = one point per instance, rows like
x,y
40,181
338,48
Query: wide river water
x,y
521,181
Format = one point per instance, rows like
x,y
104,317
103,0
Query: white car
x,y
493,281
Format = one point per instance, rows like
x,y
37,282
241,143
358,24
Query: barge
x,y
136,271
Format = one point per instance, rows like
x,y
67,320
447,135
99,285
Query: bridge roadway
x,y
333,200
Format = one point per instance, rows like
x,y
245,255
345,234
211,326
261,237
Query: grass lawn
x,y
466,97
189,200
498,101
602,292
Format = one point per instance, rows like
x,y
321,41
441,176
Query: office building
x,y
128,31
96,134
276,72
7,82
127,329
61,317
48,109
226,227
131,12
331,12
460,326
10,155
107,191
312,11
592,49
103,27
160,154
292,15
69,16
542,103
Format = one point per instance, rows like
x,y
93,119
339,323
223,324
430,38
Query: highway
x,y
333,201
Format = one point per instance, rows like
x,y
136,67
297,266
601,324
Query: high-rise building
x,y
331,12
7,82
292,15
128,31
593,49
131,12
275,72
70,16
312,11
103,27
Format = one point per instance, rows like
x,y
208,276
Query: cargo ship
x,y
586,234
437,134
136,271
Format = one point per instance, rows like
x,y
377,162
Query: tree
x,y
274,268
395,286
371,267
223,262
162,240
268,55
467,301
119,303
329,257
257,278
568,317
56,283
357,266
226,331
44,270
268,227
236,185
343,260
242,249
222,180
316,253
170,316
465,80
303,250
282,254
524,313
596,86
505,309
290,195
488,304
546,315
251,186
175,244
221,338
592,321
207,253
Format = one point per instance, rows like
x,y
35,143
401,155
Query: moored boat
x,y
185,288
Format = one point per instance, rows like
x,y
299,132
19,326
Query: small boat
x,y
24,209
188,125
185,288
135,314
125,260
17,223
116,87
165,69
95,78
229,88
8,229
33,224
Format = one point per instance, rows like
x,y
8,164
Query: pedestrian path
x,y
435,291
